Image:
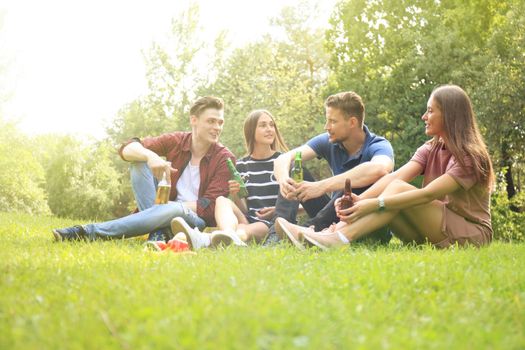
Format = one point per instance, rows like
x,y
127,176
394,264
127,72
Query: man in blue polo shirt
x,y
351,150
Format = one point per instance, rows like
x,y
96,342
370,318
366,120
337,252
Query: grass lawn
x,y
107,295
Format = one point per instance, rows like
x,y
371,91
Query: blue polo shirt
x,y
340,161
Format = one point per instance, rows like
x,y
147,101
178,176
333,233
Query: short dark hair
x,y
203,103
349,103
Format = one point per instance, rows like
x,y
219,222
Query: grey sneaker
x,y
72,233
271,240
226,238
196,239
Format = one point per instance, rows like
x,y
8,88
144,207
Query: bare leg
x,y
230,218
427,220
404,230
256,231
228,215
399,224
410,224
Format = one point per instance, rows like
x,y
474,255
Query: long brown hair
x,y
250,125
462,133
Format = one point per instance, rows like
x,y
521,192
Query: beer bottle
x,y
346,199
237,177
297,170
164,187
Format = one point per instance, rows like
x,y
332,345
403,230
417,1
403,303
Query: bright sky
x,y
74,64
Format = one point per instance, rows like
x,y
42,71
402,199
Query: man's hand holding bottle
x,y
159,167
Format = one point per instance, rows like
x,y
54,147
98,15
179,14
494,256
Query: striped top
x,y
260,183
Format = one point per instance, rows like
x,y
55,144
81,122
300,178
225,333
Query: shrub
x,y
508,225
22,178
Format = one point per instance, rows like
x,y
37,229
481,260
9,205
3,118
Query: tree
x,y
81,182
22,178
285,75
172,69
395,53
501,96
173,77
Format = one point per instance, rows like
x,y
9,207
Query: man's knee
x,y
174,208
139,168
178,209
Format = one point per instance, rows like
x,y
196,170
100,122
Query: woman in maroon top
x,y
453,206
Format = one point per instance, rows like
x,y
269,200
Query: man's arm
x,y
281,168
135,152
365,174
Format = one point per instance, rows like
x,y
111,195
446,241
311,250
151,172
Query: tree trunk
x,y
506,163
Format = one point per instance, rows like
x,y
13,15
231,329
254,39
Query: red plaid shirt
x,y
214,172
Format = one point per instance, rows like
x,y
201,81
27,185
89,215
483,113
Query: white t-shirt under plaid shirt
x,y
260,183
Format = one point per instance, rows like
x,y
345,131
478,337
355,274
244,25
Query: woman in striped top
x,y
248,219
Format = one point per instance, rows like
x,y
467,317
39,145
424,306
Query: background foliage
x,y
393,53
22,177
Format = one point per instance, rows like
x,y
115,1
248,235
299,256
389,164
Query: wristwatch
x,y
381,200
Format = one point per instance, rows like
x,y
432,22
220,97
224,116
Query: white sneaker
x,y
196,239
226,238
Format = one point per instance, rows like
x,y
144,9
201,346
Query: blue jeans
x,y
151,217
320,210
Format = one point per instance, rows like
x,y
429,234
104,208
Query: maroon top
x,y
214,172
471,200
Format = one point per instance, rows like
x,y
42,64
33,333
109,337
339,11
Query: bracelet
x,y
381,200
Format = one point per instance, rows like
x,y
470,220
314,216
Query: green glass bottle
x,y
237,177
297,170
